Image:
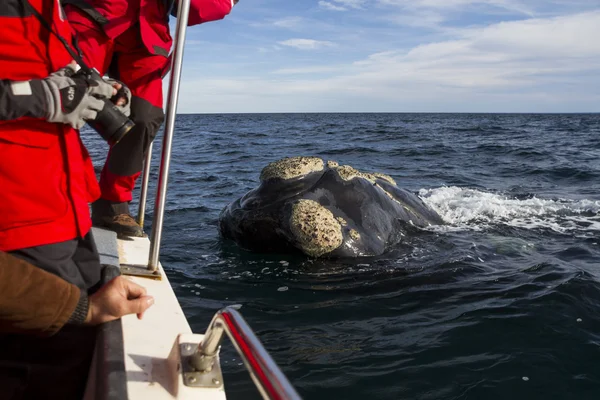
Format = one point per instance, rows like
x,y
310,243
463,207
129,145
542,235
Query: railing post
x,y
183,11
144,188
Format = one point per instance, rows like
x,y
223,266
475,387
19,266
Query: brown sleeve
x,y
32,300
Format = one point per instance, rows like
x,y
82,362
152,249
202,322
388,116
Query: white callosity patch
x,y
342,221
291,167
354,234
385,177
315,228
465,208
347,173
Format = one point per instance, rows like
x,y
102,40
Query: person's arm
x,y
14,105
65,97
202,11
34,301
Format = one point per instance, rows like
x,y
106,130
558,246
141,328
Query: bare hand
x,y
122,96
121,100
117,298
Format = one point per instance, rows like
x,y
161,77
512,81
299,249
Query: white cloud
x,y
306,44
538,64
550,38
511,5
506,54
285,23
289,23
308,70
357,4
417,19
330,6
342,5
435,14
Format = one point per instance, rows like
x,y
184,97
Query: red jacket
x,y
116,16
46,175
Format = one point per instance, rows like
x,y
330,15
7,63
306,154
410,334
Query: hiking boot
x,y
115,217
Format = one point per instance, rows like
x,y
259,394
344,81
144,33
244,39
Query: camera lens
x,y
111,124
121,132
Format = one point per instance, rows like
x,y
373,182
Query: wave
x,y
349,150
466,208
566,172
478,128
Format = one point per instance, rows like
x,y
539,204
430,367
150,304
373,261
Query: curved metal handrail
x,y
265,373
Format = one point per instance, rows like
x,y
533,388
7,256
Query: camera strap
x,y
46,25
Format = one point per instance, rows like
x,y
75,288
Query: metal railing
x,y
144,188
265,373
183,11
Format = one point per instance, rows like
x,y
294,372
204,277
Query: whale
x,y
322,209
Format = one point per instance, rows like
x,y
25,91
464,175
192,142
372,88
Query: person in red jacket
x,y
47,181
46,174
130,41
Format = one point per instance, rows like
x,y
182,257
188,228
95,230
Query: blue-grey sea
x,y
503,302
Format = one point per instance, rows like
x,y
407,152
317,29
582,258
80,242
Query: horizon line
x,y
397,112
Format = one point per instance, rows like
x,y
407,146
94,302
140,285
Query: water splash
x,y
465,208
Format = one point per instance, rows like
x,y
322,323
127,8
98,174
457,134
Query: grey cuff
x,y
43,101
81,311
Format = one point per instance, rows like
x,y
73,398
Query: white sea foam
x,y
473,209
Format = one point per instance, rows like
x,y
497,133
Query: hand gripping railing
x,y
267,376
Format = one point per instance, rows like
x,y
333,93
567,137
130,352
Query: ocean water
x,y
502,302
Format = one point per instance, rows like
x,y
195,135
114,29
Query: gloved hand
x,y
123,97
72,99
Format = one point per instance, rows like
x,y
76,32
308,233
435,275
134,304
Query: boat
x,y
159,357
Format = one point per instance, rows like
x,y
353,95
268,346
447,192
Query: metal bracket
x,y
141,271
193,378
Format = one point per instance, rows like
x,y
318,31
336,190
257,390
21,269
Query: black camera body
x,y
110,122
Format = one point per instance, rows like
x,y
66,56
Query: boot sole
x,y
121,233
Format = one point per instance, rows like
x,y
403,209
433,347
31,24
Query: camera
x,y
110,122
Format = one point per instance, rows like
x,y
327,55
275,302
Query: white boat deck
x,y
151,345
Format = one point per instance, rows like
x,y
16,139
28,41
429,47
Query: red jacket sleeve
x,y
207,10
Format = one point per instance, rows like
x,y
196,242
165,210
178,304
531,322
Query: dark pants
x,y
55,367
46,368
76,261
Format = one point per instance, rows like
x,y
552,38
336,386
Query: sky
x,y
395,56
